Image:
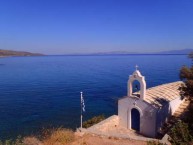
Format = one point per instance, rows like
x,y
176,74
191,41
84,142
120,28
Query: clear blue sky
x,y
69,26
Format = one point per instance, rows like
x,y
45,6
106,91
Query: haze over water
x,y
37,92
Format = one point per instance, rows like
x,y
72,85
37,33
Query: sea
x,y
44,92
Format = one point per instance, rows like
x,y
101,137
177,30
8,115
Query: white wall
x,y
147,115
174,104
166,111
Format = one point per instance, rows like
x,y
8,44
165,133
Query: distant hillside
x,y
172,52
183,51
115,52
17,53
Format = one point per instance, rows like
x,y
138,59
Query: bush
x,y
154,143
93,121
180,134
17,141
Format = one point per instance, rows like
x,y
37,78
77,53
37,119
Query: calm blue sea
x,y
40,92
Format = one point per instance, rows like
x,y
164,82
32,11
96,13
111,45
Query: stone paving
x,y
110,127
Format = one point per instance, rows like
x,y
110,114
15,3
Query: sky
x,y
89,26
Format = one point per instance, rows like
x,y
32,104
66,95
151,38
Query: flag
x,y
82,103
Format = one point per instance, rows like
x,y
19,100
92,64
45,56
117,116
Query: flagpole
x,y
81,110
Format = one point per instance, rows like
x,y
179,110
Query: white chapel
x,y
146,110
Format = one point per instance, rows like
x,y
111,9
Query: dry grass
x,y
59,136
63,136
31,141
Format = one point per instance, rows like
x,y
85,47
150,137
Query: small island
x,y
5,53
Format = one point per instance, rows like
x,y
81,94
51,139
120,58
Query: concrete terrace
x,y
110,127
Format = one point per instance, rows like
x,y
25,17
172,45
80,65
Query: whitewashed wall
x,y
147,115
174,104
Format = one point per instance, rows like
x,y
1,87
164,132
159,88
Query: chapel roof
x,y
161,94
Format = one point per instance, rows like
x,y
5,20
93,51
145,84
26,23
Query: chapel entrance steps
x,y
178,114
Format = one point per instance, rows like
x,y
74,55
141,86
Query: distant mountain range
x,y
183,51
171,52
17,53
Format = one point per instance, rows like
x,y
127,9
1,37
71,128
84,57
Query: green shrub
x,y
93,121
154,143
180,134
17,141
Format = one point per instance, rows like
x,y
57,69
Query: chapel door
x,y
135,119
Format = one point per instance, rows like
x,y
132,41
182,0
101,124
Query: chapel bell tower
x,y
141,79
